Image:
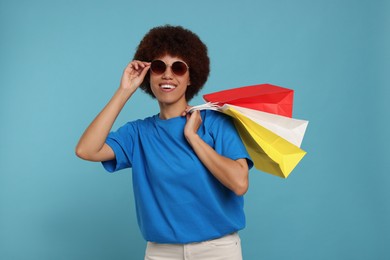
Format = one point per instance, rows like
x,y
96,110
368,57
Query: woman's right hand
x,y
134,74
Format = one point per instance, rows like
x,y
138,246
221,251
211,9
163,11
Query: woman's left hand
x,y
194,121
231,173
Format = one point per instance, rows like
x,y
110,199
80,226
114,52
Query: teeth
x,y
167,86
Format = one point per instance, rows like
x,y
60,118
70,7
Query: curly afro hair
x,y
178,42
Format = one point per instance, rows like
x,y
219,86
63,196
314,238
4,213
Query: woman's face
x,y
169,88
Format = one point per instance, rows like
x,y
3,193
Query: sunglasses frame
x,y
166,66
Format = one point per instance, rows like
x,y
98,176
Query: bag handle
x,y
206,106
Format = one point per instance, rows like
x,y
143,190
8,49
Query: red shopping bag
x,y
264,97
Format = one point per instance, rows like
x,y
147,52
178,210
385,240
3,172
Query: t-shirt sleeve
x,y
227,140
121,142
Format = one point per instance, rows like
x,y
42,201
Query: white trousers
x,y
224,248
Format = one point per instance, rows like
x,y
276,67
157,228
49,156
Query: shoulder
x,y
217,123
136,125
211,118
144,122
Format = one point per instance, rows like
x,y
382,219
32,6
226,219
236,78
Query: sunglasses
x,y
179,68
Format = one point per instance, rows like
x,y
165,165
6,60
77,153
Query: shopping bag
x,y
265,97
272,141
270,152
290,129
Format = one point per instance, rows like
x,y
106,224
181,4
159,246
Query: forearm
x,y
233,174
92,143
94,137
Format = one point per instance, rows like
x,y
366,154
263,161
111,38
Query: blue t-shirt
x,y
177,199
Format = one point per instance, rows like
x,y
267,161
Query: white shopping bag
x,y
290,129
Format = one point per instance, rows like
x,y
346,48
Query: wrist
x,y
192,138
124,93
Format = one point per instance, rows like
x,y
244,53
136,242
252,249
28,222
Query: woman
x,y
189,170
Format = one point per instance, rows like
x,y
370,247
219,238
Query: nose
x,y
168,74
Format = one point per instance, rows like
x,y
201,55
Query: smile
x,y
166,86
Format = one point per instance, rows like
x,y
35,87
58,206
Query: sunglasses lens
x,y
158,67
179,68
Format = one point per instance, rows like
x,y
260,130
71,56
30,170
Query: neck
x,y
168,111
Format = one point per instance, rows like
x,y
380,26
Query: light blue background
x,y
60,62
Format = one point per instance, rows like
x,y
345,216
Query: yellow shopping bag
x,y
269,152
